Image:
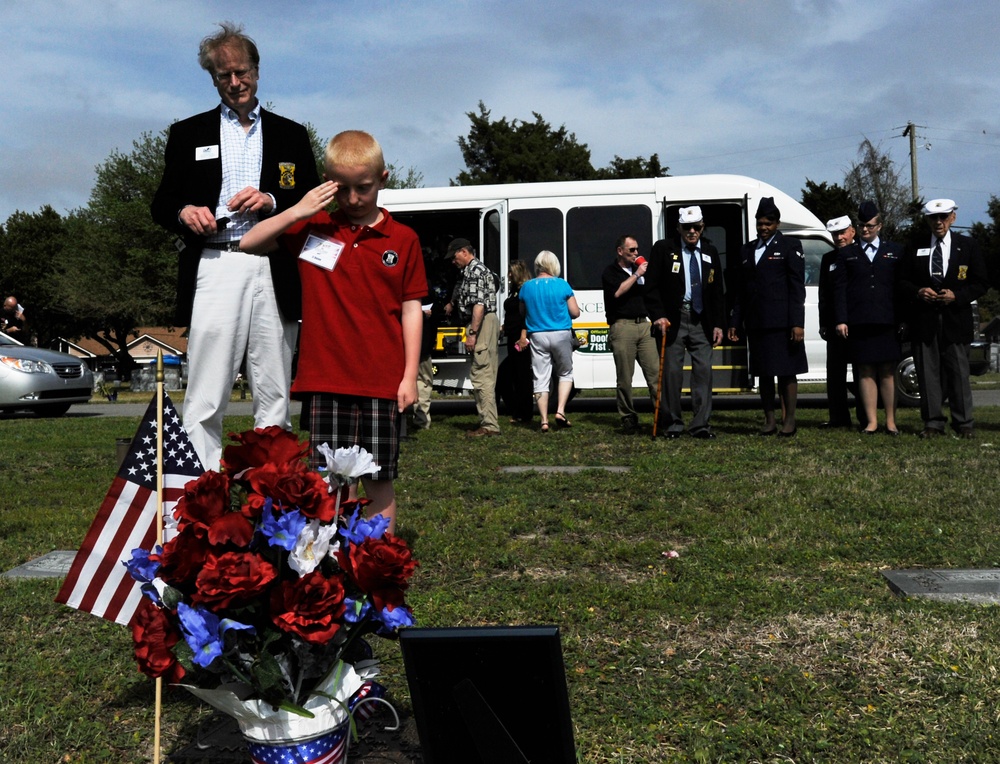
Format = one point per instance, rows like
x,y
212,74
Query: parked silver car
x,y
46,382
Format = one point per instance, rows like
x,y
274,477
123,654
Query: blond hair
x,y
353,148
547,262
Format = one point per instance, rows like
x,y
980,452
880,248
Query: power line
x,y
782,146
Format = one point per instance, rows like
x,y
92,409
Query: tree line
x,y
106,269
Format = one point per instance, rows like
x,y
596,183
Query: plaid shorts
x,y
350,420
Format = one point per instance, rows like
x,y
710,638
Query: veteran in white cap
x,y
940,281
842,230
685,299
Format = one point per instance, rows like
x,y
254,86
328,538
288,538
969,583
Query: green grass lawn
x,y
771,638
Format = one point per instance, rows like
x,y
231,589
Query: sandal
x,y
545,426
562,421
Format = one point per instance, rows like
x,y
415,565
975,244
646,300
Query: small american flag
x,y
328,749
97,582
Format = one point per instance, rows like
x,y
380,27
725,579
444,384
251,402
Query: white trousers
x,y
235,314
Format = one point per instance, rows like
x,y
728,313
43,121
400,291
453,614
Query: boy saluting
x,y
362,284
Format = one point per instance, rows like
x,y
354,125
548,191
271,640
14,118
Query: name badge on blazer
x,y
206,152
706,258
925,252
675,268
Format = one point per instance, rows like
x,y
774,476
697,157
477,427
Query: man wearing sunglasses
x,y
939,283
629,335
226,169
685,299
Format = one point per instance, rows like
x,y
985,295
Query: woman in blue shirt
x,y
549,308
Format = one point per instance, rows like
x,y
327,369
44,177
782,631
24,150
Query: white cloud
x,y
778,89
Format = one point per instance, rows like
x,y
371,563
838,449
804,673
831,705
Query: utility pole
x,y
911,131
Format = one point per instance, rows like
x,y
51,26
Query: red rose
x,y
205,510
310,607
182,559
154,637
291,486
232,578
380,567
261,446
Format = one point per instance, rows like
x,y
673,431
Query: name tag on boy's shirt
x,y
321,251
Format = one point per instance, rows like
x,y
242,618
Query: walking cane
x,y
659,377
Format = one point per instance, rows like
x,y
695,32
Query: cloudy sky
x,y
780,90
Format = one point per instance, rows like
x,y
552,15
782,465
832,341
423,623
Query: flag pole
x,y
158,708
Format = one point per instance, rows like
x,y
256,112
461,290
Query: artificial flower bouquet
x,y
260,599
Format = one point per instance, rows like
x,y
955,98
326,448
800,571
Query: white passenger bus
x,y
580,222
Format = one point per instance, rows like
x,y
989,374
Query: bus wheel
x,y
907,389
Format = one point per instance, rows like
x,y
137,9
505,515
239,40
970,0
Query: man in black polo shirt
x,y
628,327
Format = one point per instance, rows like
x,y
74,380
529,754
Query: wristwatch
x,y
471,332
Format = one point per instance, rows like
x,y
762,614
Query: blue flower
x,y
391,619
356,610
140,567
204,632
283,530
360,528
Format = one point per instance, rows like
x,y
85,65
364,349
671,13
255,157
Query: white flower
x,y
347,464
312,545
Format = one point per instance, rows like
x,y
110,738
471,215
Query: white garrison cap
x,y
939,207
838,224
690,215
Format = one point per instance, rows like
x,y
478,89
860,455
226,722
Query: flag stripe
x,y
98,582
124,524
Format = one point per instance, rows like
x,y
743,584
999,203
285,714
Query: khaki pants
x,y
483,375
425,384
631,342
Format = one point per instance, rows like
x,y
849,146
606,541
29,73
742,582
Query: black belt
x,y
224,246
636,320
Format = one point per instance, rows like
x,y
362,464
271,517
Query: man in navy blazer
x,y
224,170
938,285
685,299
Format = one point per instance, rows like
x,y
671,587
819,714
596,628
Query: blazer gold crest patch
x,y
286,178
962,272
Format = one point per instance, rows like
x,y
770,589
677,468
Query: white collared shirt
x,y
870,253
242,155
945,251
759,252
686,255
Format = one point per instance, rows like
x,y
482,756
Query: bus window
x,y
723,227
591,233
491,244
437,228
531,231
814,249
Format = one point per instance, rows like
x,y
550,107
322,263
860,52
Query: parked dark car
x,y
907,387
46,382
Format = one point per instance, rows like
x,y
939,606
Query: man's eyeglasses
x,y
869,225
240,74
691,227
631,250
